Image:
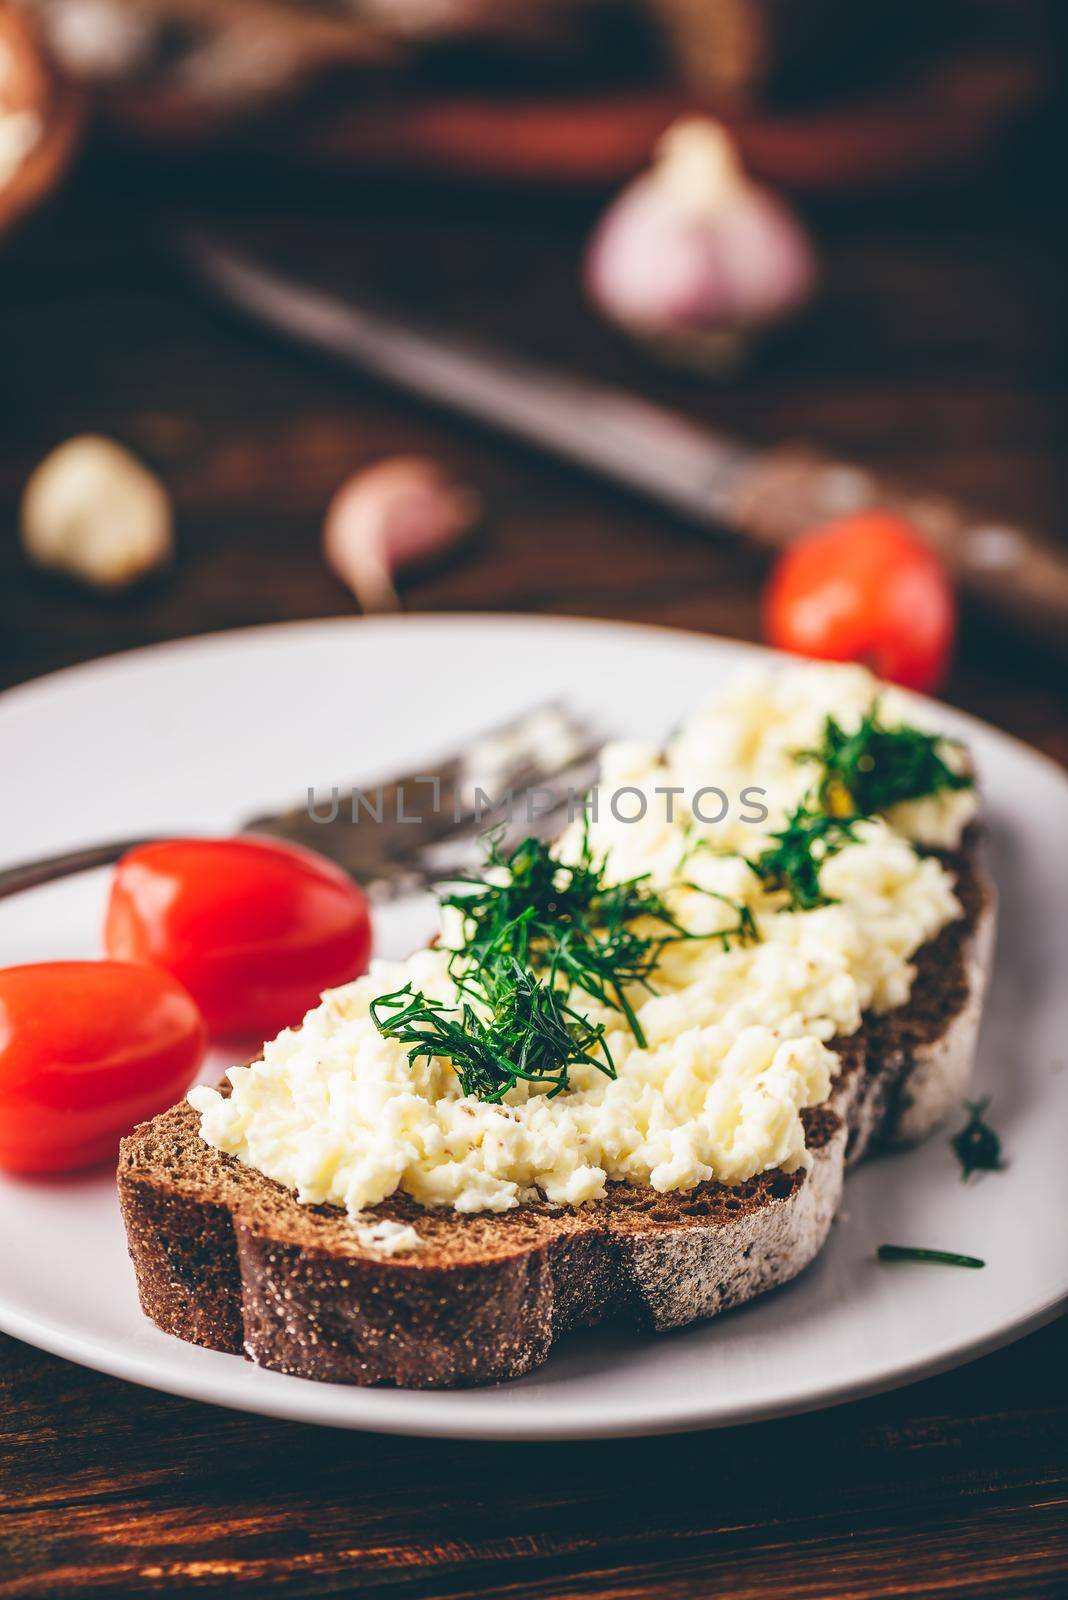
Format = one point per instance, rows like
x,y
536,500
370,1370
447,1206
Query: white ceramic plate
x,y
195,736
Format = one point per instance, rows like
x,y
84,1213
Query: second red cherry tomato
x,y
254,929
87,1049
865,588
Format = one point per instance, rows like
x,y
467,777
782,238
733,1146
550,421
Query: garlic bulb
x,y
389,516
102,41
93,511
694,256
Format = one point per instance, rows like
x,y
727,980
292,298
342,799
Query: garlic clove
x,y
694,255
388,517
91,510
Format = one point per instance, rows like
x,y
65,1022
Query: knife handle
x,y
1013,571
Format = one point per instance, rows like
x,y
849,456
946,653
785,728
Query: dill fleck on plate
x,y
977,1146
910,1252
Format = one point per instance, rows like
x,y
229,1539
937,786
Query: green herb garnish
x,y
977,1146
567,918
792,863
878,767
526,1031
908,1252
534,930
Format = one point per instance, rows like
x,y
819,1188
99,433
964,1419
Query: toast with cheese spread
x,y
627,1083
230,1259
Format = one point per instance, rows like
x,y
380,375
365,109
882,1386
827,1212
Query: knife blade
x,y
721,484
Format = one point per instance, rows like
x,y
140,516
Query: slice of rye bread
x,y
228,1258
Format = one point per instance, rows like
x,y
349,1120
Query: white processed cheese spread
x,y
736,1038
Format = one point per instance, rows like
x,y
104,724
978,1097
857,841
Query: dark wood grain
x,y
937,350
956,1486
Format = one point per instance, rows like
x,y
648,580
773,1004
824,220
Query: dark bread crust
x,y
227,1258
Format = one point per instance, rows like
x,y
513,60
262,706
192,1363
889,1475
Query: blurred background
x,y
851,238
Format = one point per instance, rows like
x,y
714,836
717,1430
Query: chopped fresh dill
x,y
528,1033
791,862
977,1146
567,918
535,929
878,766
908,1252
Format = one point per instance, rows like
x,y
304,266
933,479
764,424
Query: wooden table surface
x,y
935,349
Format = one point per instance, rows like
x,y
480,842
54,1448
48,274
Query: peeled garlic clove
x,y
388,517
93,511
695,256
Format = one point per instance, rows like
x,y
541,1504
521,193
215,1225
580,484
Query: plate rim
x,y
375,622
140,1369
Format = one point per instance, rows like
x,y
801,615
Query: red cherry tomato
x,y
254,930
87,1049
865,588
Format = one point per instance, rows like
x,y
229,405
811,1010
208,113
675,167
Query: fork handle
x,y
49,869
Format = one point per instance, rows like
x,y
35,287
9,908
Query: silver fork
x,y
398,836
